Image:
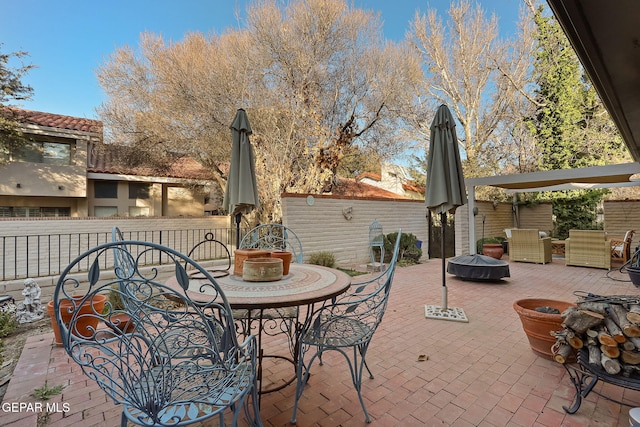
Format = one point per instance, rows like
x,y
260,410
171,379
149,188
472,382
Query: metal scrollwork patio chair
x,y
212,249
274,236
348,323
180,362
282,238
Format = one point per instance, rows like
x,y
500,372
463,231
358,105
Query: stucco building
x,y
65,170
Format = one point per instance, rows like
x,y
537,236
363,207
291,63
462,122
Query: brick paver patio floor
x,y
480,373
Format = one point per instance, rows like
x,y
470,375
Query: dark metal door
x,y
435,236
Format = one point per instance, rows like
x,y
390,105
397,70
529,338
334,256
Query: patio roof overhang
x,y
554,180
608,175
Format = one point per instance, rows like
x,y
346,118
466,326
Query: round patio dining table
x,y
277,301
304,285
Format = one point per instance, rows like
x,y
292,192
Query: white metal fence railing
x,y
44,255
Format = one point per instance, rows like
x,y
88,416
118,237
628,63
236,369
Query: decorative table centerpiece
x,y
264,269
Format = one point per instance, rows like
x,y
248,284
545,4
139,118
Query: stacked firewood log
x,y
609,328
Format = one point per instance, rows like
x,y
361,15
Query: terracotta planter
x,y
120,323
494,250
538,326
634,275
240,255
285,256
262,269
86,322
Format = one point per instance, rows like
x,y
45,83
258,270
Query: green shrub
x,y
8,323
114,300
324,258
408,253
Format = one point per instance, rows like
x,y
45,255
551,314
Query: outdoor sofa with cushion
x,y
526,245
588,248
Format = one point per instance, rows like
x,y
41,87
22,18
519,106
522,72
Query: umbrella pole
x,y
443,219
444,312
238,219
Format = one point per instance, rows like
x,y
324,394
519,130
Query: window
x,y
105,189
139,190
138,211
33,212
104,211
48,152
54,212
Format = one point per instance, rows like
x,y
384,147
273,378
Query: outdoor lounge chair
x,y
526,245
180,361
588,248
346,325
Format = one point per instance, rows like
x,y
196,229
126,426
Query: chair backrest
x,y
587,236
274,236
367,300
174,351
124,265
525,236
212,249
626,248
628,236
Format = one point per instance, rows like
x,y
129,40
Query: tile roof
x,y
377,177
415,188
351,187
371,175
57,121
106,159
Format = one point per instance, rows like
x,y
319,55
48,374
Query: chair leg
x,y
367,366
356,374
302,375
356,369
254,402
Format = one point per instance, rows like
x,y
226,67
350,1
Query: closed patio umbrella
x,y
445,191
241,194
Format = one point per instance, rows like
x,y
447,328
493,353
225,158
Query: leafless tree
x,y
315,76
481,77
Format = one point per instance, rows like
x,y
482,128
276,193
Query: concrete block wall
x,y
538,216
35,226
498,217
620,216
341,225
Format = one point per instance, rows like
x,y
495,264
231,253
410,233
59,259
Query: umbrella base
x,y
450,313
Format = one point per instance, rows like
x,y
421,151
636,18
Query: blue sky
x,y
68,39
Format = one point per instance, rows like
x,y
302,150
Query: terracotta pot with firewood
x,y
539,318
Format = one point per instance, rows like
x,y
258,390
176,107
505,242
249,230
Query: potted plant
x,y
540,317
87,315
286,259
114,312
491,246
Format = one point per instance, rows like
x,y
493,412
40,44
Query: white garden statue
x,y
30,309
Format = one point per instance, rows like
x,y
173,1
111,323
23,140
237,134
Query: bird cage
x,y
376,239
